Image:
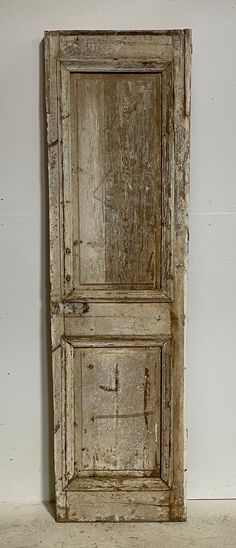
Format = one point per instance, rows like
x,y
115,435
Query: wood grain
x,y
118,507
117,319
116,46
113,483
117,160
119,409
182,52
57,320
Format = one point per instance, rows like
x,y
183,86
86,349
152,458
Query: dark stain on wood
x,y
124,416
110,388
85,308
146,394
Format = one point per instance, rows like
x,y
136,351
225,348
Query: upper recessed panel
x,y
116,180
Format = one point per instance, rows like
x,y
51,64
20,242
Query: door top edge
x,y
116,32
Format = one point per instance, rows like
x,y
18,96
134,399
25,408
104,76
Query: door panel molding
x,y
72,381
69,218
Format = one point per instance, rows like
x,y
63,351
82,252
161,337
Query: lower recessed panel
x,y
117,394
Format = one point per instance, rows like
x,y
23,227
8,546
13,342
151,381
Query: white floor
x,y
211,524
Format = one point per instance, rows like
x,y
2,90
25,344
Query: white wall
x,y
25,384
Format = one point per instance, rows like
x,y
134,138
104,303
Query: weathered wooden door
x,y
117,108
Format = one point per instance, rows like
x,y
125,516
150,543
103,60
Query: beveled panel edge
x,y
104,483
111,65
69,411
139,296
167,181
116,342
166,464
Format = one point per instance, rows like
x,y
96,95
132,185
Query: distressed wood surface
x,y
87,293
117,342
166,414
113,47
117,160
182,60
118,108
118,423
57,320
116,319
110,506
167,176
102,483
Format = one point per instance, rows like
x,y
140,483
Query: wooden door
x,y
117,108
